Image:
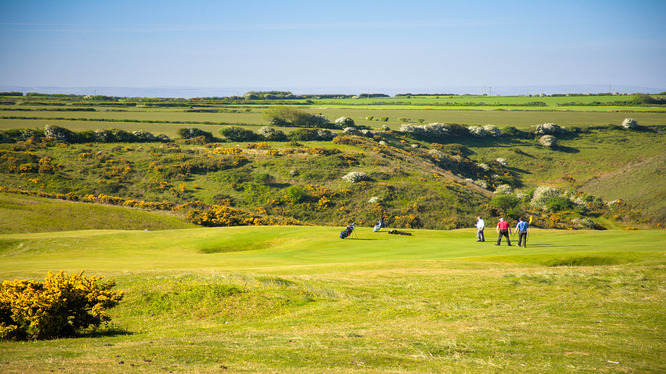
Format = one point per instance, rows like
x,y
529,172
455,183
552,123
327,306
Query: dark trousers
x,y
522,238
479,235
501,234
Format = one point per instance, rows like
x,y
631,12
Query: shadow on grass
x,y
564,149
105,332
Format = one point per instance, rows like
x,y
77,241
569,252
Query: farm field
x,y
294,299
78,113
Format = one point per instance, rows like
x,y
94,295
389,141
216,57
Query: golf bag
x,y
347,231
379,225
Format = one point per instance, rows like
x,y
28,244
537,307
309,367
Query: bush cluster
x,y
63,135
62,305
283,116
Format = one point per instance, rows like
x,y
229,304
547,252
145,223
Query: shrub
x,y
351,131
296,194
344,122
549,129
311,135
355,176
477,131
557,204
503,189
263,178
59,133
239,134
291,117
548,141
630,123
62,305
515,133
504,202
491,130
542,194
189,133
144,136
272,134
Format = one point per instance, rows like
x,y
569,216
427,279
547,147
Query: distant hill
x,y
190,92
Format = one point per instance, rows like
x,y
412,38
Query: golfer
x,y
503,230
521,227
480,225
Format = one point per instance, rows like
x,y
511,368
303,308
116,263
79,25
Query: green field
x,y
299,299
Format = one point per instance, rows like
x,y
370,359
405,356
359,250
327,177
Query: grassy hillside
x,y
640,184
295,299
417,181
22,214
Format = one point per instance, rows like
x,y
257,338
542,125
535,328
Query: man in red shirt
x,y
503,230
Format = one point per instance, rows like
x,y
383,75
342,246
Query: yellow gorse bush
x,y
62,305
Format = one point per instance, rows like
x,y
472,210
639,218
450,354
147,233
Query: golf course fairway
x,y
299,299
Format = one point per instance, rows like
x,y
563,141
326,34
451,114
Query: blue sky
x,y
318,45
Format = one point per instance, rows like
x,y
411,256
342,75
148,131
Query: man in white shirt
x,y
480,225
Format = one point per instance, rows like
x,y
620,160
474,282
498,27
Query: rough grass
x,y
306,301
640,184
20,214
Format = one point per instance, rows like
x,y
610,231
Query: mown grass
x,y
305,301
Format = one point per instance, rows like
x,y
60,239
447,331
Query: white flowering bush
x,y
542,194
583,223
491,130
503,189
502,161
438,129
325,135
27,134
270,133
374,200
318,120
343,122
355,176
548,141
144,136
549,129
431,129
630,123
59,133
414,129
477,131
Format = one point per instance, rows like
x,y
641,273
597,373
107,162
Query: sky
x,y
332,46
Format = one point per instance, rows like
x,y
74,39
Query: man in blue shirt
x,y
521,227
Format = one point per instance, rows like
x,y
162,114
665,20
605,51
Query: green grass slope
x,y
641,184
299,299
22,214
